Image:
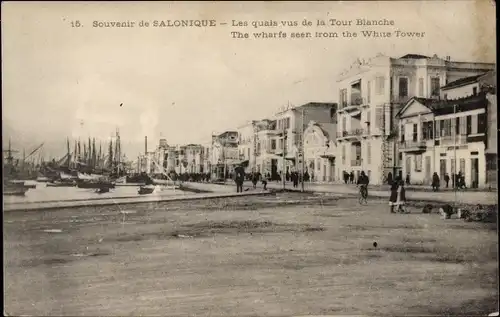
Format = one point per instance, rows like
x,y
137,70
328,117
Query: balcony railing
x,y
459,139
413,144
355,162
350,133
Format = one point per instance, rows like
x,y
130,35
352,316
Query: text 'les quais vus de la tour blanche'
x,y
237,23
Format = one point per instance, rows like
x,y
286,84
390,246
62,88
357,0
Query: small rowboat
x,y
145,190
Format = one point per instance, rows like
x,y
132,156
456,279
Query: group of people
x,y
397,199
457,181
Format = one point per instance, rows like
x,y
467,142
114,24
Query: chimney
x,y
146,145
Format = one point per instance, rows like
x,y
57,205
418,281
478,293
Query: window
x,y
369,91
474,91
368,152
402,133
343,98
343,154
427,130
379,85
435,86
452,166
273,144
457,126
469,125
248,151
463,128
462,165
403,87
421,87
418,163
437,129
445,96
482,123
344,124
415,133
474,124
446,127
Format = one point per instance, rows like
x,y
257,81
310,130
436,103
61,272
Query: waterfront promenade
x,y
462,197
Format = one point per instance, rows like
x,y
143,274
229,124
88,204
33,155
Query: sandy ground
x,y
251,256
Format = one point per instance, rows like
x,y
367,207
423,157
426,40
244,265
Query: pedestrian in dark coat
x,y
255,179
447,179
398,196
435,182
239,178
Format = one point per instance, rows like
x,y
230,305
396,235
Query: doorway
x,y
427,169
442,169
274,169
474,172
408,165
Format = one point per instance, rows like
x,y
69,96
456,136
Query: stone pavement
x,y
464,197
125,201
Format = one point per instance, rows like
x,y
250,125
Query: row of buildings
x,y
413,115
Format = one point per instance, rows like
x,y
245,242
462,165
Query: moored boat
x,y
14,189
145,190
62,183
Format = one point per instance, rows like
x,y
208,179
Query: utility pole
x,y
284,153
455,156
302,148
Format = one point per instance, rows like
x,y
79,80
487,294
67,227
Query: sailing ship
x,y
11,173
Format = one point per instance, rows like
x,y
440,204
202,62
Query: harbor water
x,y
43,193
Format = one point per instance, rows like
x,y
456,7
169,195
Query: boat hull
x,y
145,190
61,184
95,185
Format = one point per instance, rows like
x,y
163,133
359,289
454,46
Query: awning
x,y
330,156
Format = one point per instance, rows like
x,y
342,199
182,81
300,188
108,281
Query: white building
x,y
449,135
247,144
224,154
372,92
320,150
291,124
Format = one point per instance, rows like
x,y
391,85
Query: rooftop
x,y
461,82
446,106
415,56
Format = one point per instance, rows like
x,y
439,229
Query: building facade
x,y
247,147
224,154
372,92
291,124
320,151
447,136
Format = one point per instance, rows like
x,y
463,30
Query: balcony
x,y
353,106
451,140
413,146
353,134
355,162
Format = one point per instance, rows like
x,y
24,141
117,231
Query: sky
x,y
183,84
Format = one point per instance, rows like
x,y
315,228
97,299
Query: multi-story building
x,y
247,146
448,136
320,150
372,92
224,154
194,158
266,159
290,126
207,167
